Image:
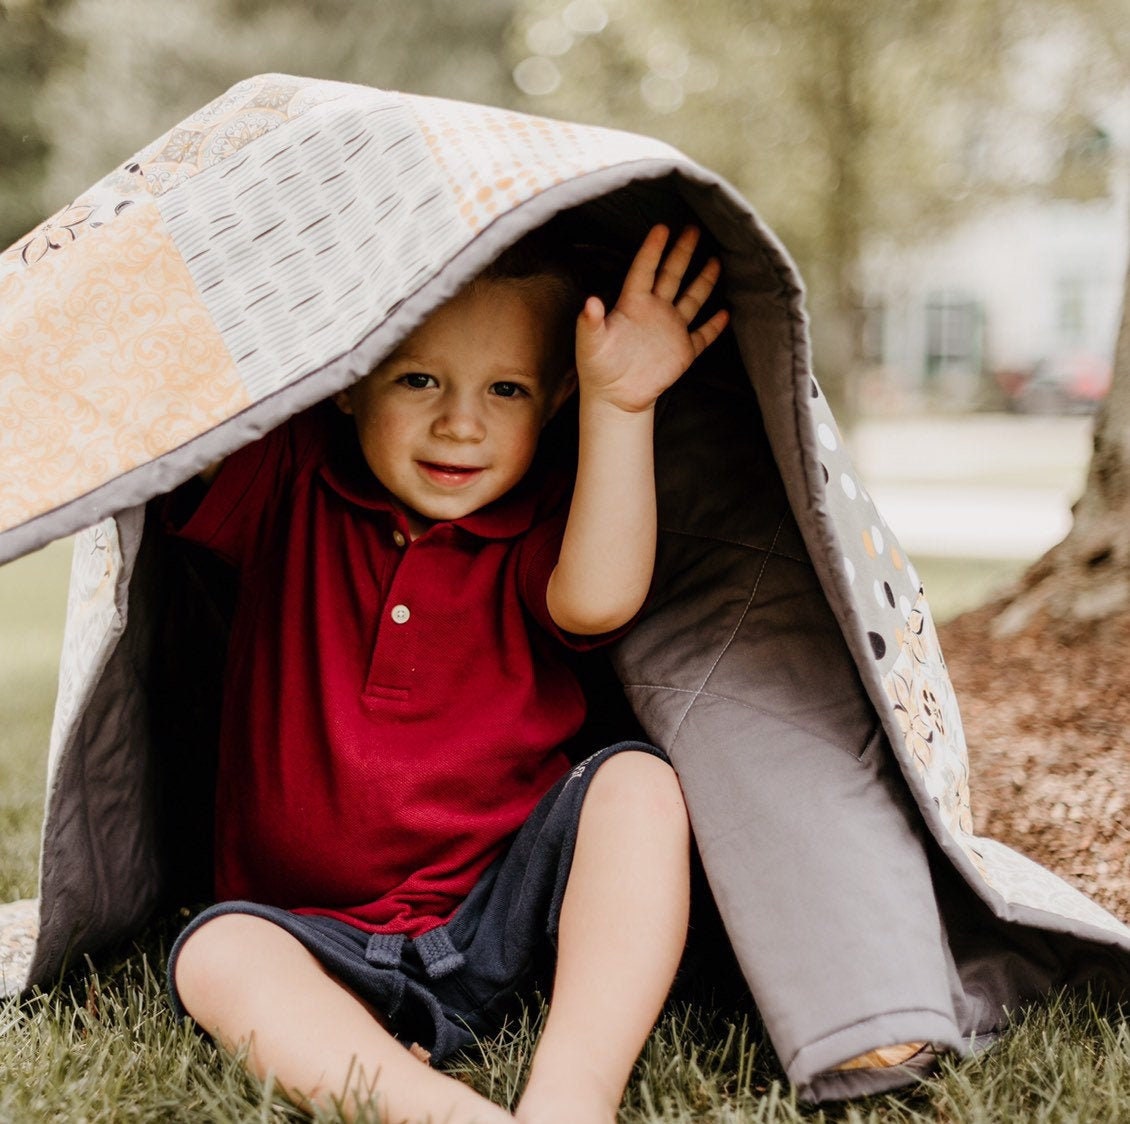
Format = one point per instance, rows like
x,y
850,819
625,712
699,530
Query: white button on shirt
x,y
400,613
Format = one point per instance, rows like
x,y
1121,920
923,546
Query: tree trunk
x,y
1086,578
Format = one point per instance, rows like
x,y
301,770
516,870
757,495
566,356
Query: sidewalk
x,y
982,486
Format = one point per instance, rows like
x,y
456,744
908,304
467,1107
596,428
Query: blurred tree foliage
x,y
33,47
145,64
840,119
844,120
1084,580
1099,32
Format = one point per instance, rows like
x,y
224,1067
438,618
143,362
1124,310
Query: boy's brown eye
x,y
508,389
417,380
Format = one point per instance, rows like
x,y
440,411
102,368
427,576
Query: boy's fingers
x,y
590,324
702,338
674,266
593,310
699,290
641,273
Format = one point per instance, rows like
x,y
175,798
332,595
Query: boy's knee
x,y
215,958
634,782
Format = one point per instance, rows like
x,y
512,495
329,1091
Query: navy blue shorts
x,y
457,982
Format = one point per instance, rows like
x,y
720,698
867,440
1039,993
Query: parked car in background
x,y
1073,383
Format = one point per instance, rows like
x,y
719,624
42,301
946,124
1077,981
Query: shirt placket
x,y
392,664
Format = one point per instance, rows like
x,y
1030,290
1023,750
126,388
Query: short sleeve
x,y
236,513
537,557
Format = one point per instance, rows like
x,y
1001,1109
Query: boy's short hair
x,y
541,263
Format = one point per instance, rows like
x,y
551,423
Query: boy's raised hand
x,y
629,356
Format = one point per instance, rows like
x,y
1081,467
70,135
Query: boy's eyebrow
x,y
404,355
518,373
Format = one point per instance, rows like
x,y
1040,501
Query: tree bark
x,y
1086,578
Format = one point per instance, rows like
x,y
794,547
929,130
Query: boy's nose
x,y
459,421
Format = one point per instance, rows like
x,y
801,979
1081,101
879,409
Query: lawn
x,y
103,1047
32,607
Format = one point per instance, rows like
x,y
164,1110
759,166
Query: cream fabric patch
x,y
108,359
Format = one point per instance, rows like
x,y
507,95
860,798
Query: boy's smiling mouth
x,y
450,474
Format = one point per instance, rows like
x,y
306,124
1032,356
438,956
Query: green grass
x,y
102,1046
32,607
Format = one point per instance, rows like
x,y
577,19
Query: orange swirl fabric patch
x,y
108,359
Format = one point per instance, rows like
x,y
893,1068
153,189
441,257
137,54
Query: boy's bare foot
x,y
574,1102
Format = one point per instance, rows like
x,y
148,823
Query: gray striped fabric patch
x,y
302,243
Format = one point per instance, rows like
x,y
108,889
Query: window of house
x,y
953,333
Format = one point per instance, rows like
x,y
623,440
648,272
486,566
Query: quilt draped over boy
x,y
264,255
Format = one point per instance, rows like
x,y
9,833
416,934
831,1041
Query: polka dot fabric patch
x,y
880,579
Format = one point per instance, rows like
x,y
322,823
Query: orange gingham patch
x,y
107,360
494,159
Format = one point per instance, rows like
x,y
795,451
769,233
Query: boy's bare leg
x,y
248,982
622,930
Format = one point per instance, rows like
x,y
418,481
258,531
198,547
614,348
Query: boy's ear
x,y
561,395
342,402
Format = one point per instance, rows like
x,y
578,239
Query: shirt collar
x,y
344,469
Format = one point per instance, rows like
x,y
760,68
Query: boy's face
x,y
450,420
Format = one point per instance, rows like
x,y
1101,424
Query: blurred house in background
x,y
1018,306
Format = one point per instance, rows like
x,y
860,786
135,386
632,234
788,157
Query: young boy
x,y
397,701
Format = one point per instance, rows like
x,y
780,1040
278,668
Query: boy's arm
x,y
625,360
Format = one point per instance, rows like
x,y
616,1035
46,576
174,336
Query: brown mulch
x,y
1048,727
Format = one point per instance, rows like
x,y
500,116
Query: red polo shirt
x,y
393,709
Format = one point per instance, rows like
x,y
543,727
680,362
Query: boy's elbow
x,y
585,616
592,625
